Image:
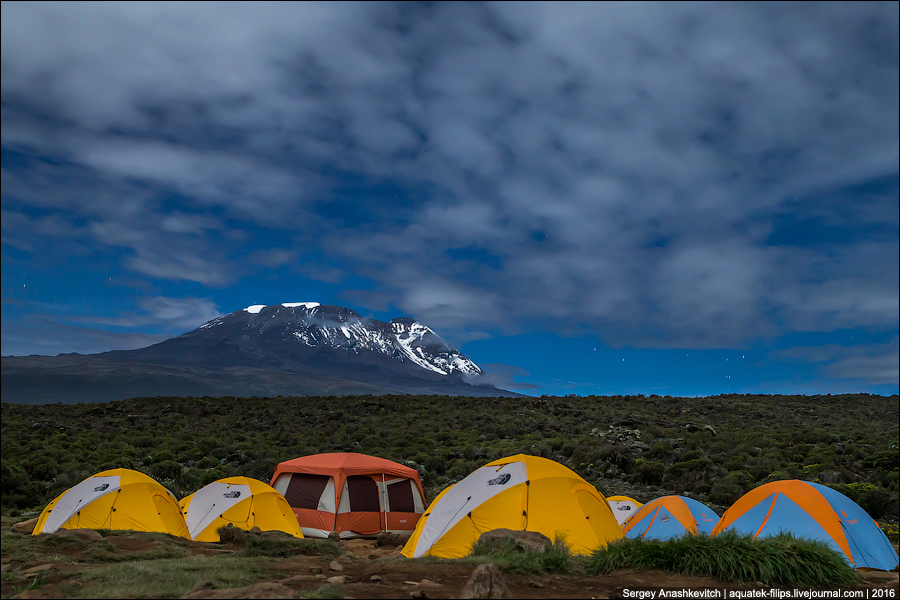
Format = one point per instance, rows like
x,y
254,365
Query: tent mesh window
x,y
305,490
400,497
363,494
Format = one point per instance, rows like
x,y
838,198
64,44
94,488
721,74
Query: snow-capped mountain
x,y
291,349
319,327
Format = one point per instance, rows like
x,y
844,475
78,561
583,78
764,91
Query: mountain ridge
x,y
289,349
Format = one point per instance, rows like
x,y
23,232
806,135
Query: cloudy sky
x,y
586,198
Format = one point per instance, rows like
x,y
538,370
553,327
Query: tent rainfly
x,y
240,501
524,493
623,507
809,510
670,517
114,499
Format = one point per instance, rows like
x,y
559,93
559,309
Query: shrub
x,y
163,455
876,501
167,469
725,491
207,462
886,460
647,472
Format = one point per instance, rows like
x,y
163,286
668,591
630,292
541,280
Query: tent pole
x,y
383,509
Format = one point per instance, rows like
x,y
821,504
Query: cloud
x,y
870,364
44,328
49,337
638,171
502,377
180,314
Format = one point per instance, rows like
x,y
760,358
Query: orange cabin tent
x,y
350,494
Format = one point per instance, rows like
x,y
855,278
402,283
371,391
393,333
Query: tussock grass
x,y
171,578
18,548
255,544
781,560
327,592
284,547
508,556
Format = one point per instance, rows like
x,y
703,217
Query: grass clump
x,y
511,556
284,547
171,578
780,560
276,546
327,592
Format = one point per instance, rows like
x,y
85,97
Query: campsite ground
x,y
135,565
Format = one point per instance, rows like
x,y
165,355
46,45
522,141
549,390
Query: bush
x,y
207,462
167,469
887,460
648,472
876,501
725,491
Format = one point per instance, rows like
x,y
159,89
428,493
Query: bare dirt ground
x,y
367,570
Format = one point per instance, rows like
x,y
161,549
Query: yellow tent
x,y
623,507
243,502
525,493
114,499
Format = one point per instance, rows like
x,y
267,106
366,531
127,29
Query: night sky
x,y
588,198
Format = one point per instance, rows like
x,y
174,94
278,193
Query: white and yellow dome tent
x,y
521,492
114,499
623,507
240,501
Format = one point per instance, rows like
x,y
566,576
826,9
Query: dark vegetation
x,y
713,449
782,560
512,558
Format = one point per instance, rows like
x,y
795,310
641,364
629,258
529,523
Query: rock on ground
x,y
525,540
25,526
485,582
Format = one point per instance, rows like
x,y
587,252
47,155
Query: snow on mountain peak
x,y
255,308
403,338
303,304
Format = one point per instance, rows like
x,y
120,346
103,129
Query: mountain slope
x,y
296,349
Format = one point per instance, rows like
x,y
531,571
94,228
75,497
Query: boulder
x,y
390,539
25,526
88,535
485,582
525,540
39,569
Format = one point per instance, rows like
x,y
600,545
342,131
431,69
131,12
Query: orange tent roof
x,y
348,462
